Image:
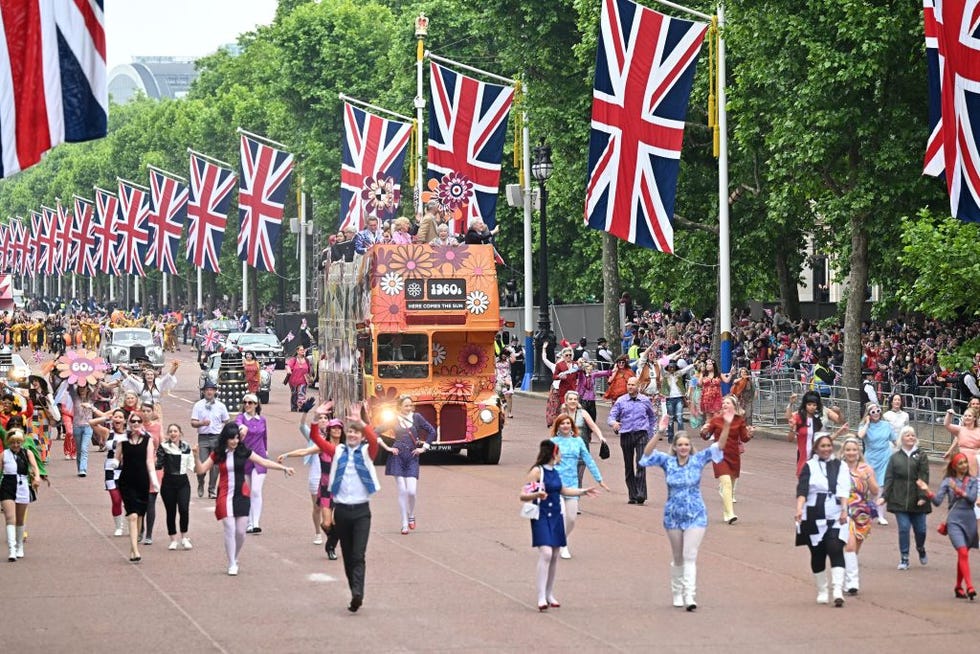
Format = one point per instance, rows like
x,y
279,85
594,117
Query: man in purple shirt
x,y
633,417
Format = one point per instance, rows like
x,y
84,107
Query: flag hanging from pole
x,y
5,258
84,236
134,211
48,241
169,208
467,132
106,234
207,212
52,78
953,65
64,249
371,168
263,185
644,71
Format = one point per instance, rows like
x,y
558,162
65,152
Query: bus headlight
x,y
387,416
486,415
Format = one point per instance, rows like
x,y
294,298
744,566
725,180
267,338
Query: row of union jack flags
x,y
139,228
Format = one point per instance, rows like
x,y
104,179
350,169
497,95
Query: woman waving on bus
x,y
412,435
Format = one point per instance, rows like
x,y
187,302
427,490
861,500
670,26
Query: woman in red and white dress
x,y
233,503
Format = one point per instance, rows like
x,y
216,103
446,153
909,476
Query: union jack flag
x,y
64,247
169,202
212,338
54,78
34,244
207,212
371,166
21,245
107,210
47,241
952,30
262,188
5,258
84,236
644,71
467,131
134,211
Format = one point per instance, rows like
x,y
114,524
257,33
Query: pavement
x,y
464,579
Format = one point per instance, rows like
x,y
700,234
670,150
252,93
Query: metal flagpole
x,y
373,107
724,258
244,283
136,290
112,289
528,254
421,30
74,292
302,247
267,141
478,71
163,285
200,295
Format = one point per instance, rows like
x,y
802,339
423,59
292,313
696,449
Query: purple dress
x,y
406,464
257,440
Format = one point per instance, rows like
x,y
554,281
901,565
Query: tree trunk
x,y
788,290
610,290
857,281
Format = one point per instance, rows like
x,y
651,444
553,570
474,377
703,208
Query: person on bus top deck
x,y
478,234
368,236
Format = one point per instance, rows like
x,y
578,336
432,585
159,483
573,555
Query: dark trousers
x,y
176,493
352,525
831,547
633,443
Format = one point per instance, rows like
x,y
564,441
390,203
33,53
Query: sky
x,y
178,28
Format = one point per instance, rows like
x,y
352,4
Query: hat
x,y
672,364
250,397
334,422
37,378
209,383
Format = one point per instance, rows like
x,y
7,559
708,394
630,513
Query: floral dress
x,y
684,507
861,508
710,395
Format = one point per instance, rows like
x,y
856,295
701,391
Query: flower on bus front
x,y
472,359
457,389
392,283
412,261
438,353
477,302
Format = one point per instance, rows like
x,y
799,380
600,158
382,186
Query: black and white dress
x,y
112,469
16,483
827,487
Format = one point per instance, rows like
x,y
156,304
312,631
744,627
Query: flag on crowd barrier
x,y
207,212
52,78
85,237
133,227
106,234
645,66
167,214
953,64
467,132
262,187
373,157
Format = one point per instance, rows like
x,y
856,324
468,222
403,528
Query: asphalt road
x,y
464,580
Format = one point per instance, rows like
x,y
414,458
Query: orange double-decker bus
x,y
417,320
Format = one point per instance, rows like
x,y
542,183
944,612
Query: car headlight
x,y
486,415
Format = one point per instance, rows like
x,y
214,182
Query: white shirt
x,y
164,384
214,411
352,490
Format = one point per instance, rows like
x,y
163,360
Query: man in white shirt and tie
x,y
208,416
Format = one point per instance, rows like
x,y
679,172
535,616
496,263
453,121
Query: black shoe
x,y
355,603
212,495
256,530
331,554
200,488
632,501
852,591
641,500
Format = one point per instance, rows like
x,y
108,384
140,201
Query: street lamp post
x,y
542,169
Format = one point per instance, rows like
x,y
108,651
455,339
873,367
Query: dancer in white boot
x,y
685,516
861,508
17,489
822,492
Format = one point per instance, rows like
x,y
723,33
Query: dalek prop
x,y
231,379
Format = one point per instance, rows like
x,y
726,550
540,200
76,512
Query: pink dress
x,y
710,395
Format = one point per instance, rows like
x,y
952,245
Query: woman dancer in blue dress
x,y
685,516
543,485
574,452
878,436
412,435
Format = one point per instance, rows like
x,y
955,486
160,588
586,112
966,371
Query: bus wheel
x,y
491,450
476,452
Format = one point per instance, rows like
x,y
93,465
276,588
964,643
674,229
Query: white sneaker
x,y
186,543
20,551
318,540
233,570
172,545
882,520
564,553
118,532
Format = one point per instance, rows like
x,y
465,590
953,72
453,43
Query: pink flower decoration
x,y
454,191
472,359
81,367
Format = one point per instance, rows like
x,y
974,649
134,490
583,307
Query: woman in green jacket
x,y
903,497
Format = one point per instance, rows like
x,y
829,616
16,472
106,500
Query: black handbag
x,y
603,450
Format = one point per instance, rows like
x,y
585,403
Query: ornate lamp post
x,y
542,169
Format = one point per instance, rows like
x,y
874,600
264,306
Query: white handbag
x,y
532,510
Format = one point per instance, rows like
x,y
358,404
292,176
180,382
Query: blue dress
x,y
961,523
406,439
549,528
877,446
574,450
684,507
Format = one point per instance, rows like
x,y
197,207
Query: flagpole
x,y
244,282
724,258
373,107
302,247
478,71
678,7
267,141
112,289
209,158
200,295
136,290
421,31
528,253
163,284
167,173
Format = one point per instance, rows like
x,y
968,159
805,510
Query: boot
x,y
20,541
851,581
837,578
690,582
12,542
725,489
120,526
821,580
677,583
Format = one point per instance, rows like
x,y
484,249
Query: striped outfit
x,y
233,489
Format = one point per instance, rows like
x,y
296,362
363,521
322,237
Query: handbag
x,y
942,528
532,510
604,450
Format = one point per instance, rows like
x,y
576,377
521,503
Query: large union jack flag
x,y
34,239
22,247
952,30
64,250
106,234
644,71
6,258
207,212
84,237
134,212
47,240
467,131
371,166
169,208
263,184
52,78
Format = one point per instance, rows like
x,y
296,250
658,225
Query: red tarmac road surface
x,y
464,580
